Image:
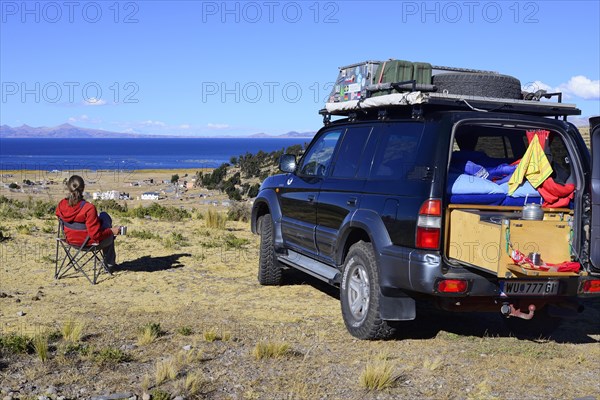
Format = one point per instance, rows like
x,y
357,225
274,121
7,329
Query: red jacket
x,y
86,213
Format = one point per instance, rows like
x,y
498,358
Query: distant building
x,y
150,196
110,195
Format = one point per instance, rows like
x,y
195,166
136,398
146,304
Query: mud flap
x,y
595,231
397,308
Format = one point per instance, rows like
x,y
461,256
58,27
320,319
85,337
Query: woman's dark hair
x,y
76,186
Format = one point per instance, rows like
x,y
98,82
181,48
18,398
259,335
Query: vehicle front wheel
x,y
359,294
269,269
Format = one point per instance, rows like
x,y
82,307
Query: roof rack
x,y
453,102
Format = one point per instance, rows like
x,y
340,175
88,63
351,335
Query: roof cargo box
x,y
352,81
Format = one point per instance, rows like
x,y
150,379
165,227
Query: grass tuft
x,y
165,370
377,375
215,220
40,345
149,333
157,394
72,331
210,335
264,350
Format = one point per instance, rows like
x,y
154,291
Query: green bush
x,y
15,343
239,212
111,207
163,213
143,234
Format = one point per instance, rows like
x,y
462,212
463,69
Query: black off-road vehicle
x,y
414,194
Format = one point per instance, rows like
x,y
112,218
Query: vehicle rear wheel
x,y
359,294
269,269
484,85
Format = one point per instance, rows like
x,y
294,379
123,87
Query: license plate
x,y
528,288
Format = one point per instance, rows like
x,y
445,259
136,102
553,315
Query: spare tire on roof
x,y
484,85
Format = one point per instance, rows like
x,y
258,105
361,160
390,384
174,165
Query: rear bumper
x,y
418,271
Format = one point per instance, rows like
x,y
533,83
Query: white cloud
x,y
184,126
578,86
153,123
582,86
92,101
81,118
217,126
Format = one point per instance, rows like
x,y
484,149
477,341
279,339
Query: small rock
x,y
145,396
134,397
50,390
20,314
43,398
60,398
115,396
178,398
128,347
7,397
17,300
187,347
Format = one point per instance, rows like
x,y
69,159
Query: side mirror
x,y
287,163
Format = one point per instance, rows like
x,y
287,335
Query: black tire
x,y
360,304
269,269
484,85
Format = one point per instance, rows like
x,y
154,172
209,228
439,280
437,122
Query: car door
x,y
342,189
595,234
299,195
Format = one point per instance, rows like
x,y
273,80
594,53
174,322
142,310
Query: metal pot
x,y
533,212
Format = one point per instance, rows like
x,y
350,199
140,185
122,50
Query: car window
x,y
351,149
397,152
495,146
318,157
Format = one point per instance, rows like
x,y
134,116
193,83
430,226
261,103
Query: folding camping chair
x,y
78,257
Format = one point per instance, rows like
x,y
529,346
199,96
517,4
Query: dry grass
x,y
40,345
378,375
441,356
264,350
72,331
165,371
215,220
148,334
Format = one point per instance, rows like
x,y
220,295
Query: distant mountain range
x,y
75,132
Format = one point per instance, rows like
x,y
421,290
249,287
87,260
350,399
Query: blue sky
x,y
209,68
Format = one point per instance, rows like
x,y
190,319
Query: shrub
x,y
232,241
239,212
158,211
157,394
16,343
112,355
111,206
143,234
185,331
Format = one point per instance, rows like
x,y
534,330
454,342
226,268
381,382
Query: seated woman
x,y
74,209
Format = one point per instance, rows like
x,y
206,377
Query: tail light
x,y
429,223
452,286
591,286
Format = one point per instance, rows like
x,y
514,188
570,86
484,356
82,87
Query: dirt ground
x,y
200,285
